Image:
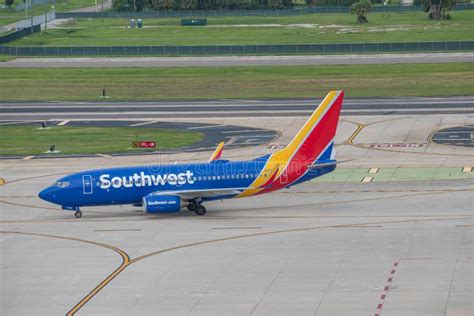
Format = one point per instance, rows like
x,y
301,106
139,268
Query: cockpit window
x,y
62,184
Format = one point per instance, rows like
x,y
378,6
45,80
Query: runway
x,y
228,108
106,62
398,243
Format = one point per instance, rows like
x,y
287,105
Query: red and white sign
x,y
144,144
395,145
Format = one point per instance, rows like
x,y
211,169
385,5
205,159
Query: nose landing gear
x,y
78,214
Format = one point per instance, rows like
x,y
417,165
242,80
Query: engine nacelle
x,y
161,204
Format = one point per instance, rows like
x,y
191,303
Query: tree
x,y
120,5
361,9
188,4
9,3
438,8
162,5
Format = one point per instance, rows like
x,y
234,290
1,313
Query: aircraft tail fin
x,y
218,152
315,140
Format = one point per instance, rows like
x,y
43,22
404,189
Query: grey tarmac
x,y
18,111
337,248
111,62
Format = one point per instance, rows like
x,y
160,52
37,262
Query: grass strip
x,y
53,84
33,140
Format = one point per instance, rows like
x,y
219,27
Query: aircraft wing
x,y
217,153
205,193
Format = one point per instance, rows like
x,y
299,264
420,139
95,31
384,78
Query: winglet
x,y
218,152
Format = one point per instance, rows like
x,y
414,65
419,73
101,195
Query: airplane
x,y
165,189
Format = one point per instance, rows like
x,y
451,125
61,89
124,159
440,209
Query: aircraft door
x,y
87,184
284,176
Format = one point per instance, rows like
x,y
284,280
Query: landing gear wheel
x,y
193,206
201,210
78,214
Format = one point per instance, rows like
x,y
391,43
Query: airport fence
x,y
13,36
223,50
224,13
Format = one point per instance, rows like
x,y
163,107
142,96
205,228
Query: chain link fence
x,y
224,13
223,50
10,37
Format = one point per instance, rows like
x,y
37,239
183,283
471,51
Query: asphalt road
x,y
228,108
238,60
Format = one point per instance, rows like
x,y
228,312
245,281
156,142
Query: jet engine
x,y
157,204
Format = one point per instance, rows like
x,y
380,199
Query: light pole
x,y
31,12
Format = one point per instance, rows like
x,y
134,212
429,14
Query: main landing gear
x,y
78,214
197,208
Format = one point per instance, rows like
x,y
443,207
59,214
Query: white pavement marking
x,y
206,126
102,155
232,140
28,157
373,170
367,179
245,131
252,136
63,123
144,123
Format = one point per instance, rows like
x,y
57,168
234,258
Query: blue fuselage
x,y
128,185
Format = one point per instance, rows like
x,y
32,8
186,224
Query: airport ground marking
x,y
2,181
144,123
418,193
63,123
360,127
386,288
367,179
124,265
125,259
374,170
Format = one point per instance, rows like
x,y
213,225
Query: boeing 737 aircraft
x,y
169,188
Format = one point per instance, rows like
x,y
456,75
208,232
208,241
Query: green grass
x,y
9,20
395,174
8,16
32,140
6,58
314,28
236,82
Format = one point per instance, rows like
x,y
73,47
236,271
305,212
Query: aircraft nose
x,y
47,194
